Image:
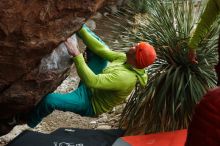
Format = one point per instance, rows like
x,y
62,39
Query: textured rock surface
x,y
29,31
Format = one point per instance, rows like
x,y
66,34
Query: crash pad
x,y
173,138
68,137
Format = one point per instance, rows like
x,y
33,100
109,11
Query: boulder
x,y
33,60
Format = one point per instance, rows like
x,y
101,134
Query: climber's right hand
x,y
72,47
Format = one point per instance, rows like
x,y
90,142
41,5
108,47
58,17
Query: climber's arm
x,y
96,45
207,19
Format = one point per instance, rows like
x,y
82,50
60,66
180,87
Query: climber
x,y
102,86
208,17
204,127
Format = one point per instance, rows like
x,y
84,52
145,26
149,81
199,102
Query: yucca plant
x,y
175,85
138,6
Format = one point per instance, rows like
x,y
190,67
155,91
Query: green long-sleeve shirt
x,y
115,83
207,19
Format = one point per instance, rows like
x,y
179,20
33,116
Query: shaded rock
x,y
29,31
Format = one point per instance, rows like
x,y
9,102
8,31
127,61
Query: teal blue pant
x,y
77,101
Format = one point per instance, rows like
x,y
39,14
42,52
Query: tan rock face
x,y
30,30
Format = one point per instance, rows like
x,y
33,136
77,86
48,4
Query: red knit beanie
x,y
145,54
204,129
